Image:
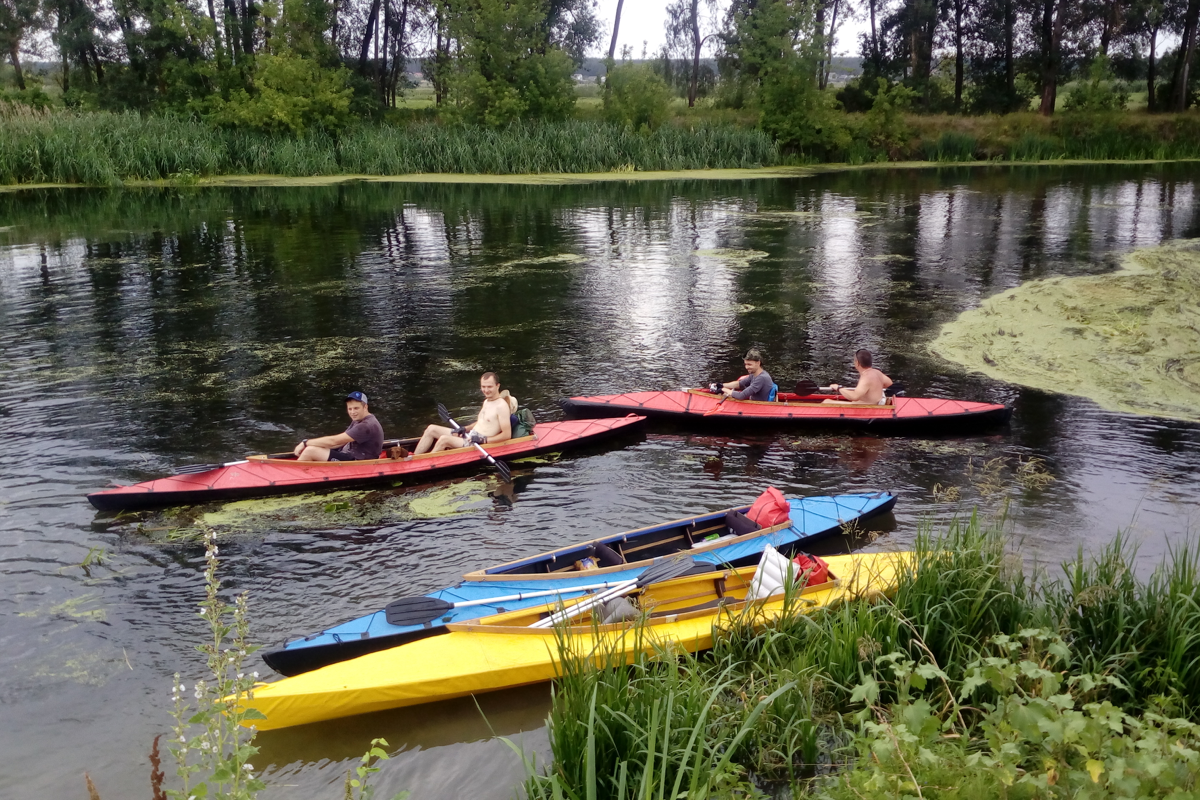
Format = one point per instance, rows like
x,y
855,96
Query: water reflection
x,y
147,328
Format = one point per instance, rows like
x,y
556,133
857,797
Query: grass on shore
x,y
105,149
102,148
970,680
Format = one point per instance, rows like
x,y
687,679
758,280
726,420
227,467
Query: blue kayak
x,y
721,538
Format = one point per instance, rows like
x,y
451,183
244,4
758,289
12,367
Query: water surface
x,y
148,328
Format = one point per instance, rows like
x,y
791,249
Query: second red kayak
x,y
259,476
899,415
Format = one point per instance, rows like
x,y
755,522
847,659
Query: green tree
x,y
507,68
799,114
17,17
636,96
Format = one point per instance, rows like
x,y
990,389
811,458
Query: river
x,y
147,328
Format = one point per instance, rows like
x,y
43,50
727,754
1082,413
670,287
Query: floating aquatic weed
x,y
1129,340
74,608
732,256
447,501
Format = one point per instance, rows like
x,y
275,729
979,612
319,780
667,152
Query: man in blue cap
x,y
362,440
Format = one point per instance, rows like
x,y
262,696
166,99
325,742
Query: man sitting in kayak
x,y
755,385
492,425
362,440
871,383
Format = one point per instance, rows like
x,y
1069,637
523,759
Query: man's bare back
x,y
871,383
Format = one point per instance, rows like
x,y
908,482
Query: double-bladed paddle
x,y
500,466
662,571
807,387
419,610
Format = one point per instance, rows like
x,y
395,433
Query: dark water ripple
x,y
144,329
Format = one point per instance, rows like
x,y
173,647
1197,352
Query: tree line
x,y
290,64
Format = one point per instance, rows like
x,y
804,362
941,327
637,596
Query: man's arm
x,y
730,389
337,440
328,442
855,394
755,384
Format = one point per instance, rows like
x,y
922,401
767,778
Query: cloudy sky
x,y
644,21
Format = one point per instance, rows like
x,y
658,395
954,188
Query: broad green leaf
x,y
1095,769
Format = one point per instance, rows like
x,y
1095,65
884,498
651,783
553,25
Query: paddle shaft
x,y
191,469
500,466
662,571
585,605
509,598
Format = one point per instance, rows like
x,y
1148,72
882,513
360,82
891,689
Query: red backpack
x,y
812,570
770,509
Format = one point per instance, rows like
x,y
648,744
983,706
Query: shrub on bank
x,y
975,680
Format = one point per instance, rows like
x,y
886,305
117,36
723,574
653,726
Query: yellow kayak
x,y
503,652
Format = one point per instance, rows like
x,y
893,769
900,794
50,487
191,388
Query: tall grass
x,y
102,148
105,148
776,707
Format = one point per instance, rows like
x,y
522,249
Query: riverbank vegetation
x,y
105,148
144,91
978,679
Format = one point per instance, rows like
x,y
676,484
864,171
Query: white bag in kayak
x,y
775,572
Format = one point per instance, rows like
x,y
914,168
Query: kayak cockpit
x,y
635,548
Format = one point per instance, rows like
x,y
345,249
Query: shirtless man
x,y
871,382
362,440
757,383
492,425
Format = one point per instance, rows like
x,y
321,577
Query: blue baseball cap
x,y
359,396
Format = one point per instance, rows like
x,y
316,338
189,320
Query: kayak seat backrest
x,y
739,524
774,393
606,556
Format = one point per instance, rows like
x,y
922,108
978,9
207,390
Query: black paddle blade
x,y
806,387
415,610
195,469
503,470
445,415
664,571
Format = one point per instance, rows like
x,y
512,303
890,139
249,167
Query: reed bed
x,y
782,708
102,148
105,149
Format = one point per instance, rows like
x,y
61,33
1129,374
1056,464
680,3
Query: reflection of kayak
x,y
502,652
258,476
810,519
900,415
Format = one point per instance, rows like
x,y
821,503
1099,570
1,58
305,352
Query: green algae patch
x,y
1128,340
450,500
733,257
319,511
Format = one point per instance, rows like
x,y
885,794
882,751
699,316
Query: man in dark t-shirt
x,y
362,440
755,385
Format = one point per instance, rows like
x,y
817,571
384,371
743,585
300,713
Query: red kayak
x,y
262,475
899,415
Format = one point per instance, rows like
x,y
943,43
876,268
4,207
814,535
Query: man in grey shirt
x,y
363,440
755,385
